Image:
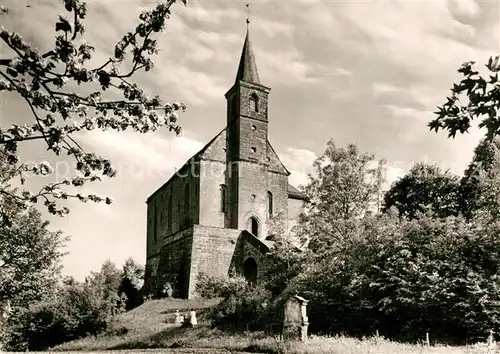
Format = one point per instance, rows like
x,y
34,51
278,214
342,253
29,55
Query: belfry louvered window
x,y
254,103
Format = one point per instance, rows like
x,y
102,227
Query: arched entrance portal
x,y
250,271
253,226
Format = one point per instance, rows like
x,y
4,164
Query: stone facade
x,y
211,216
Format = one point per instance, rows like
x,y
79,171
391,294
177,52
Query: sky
x,y
363,72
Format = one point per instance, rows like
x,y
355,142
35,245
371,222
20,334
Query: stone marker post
x,y
295,322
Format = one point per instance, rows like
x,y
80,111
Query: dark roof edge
x,y
194,157
282,164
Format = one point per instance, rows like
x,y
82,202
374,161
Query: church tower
x,y
247,147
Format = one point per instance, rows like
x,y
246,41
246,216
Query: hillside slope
x,y
150,325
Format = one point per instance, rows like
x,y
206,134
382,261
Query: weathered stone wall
x,y
252,195
172,261
213,253
250,251
213,179
169,211
262,93
278,186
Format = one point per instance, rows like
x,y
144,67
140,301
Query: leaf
x,y
63,25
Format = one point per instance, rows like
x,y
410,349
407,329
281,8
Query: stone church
x,y
211,216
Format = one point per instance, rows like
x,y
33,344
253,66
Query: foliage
x,y
66,96
75,311
106,283
209,287
406,277
285,259
424,186
30,255
132,281
347,185
480,184
242,307
78,311
482,97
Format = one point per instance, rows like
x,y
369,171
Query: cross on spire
x,y
247,70
248,14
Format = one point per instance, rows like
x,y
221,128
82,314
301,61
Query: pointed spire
x,y
247,70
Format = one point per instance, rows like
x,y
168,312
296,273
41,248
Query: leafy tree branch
x,y
44,80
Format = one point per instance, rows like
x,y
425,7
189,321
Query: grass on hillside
x,y
151,326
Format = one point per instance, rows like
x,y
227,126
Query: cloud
x,y
467,8
408,112
342,72
380,88
400,34
284,66
266,27
190,86
143,155
210,47
209,14
217,39
299,162
393,173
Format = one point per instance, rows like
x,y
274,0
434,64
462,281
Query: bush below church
x,y
242,306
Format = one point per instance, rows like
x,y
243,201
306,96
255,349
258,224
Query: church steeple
x,y
247,70
247,144
247,99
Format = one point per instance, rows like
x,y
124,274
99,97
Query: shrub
x,y
217,287
78,310
242,307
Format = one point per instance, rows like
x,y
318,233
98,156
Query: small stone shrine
x,y
295,321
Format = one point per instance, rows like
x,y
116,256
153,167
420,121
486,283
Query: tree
x,y
480,186
132,282
285,259
66,95
482,97
424,186
105,284
30,256
347,186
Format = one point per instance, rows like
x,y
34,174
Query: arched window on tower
x,y
269,204
223,198
254,103
186,199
